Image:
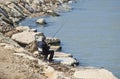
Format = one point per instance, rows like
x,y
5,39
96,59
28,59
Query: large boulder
x,y
93,73
25,37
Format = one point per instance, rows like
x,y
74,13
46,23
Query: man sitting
x,y
43,48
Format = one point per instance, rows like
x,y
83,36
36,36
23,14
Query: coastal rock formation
x,y
26,38
24,61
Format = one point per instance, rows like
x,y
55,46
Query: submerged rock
x,y
41,21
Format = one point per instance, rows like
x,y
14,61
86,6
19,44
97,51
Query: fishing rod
x,y
59,29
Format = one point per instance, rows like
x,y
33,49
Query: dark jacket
x,y
44,46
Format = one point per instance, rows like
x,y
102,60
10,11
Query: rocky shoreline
x,y
21,42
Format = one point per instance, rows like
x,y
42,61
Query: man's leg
x,y
45,56
51,52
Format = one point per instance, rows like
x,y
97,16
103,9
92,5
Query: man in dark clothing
x,y
44,49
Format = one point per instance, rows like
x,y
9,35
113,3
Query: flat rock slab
x,y
25,37
62,55
65,58
67,61
92,73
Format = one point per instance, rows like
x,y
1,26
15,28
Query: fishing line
x,y
59,29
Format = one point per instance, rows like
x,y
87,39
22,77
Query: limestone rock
x,y
7,46
37,1
67,61
92,73
25,37
29,8
4,26
51,73
20,50
32,47
22,28
56,48
64,7
12,47
53,13
36,53
53,41
62,55
41,21
16,12
32,30
7,40
25,28
10,33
